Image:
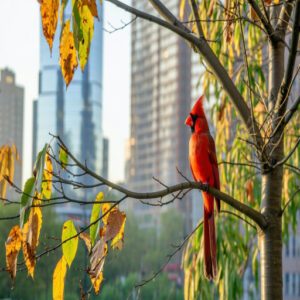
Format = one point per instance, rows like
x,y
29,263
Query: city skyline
x,y
73,113
25,64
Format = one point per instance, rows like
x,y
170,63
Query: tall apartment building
x,y
11,117
160,102
73,113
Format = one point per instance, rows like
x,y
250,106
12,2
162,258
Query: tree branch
x,y
287,79
288,202
253,214
204,49
291,111
267,25
170,256
197,18
284,17
284,160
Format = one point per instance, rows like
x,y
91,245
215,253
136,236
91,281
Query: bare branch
x,y
237,216
267,25
284,17
293,168
241,207
281,162
288,202
281,102
197,18
170,256
292,110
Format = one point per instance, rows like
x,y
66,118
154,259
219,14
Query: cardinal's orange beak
x,y
189,121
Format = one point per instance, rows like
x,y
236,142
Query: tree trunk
x,y
270,238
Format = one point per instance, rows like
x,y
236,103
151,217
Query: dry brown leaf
x,y
31,234
12,247
115,227
97,260
86,238
253,14
49,14
68,58
249,186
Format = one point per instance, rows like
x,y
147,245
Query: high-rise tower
x,y
11,118
160,102
73,113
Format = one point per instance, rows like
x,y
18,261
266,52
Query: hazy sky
x,y
19,50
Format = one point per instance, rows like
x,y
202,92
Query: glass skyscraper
x,y
73,113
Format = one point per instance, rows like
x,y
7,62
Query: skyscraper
x,y
160,102
11,117
73,113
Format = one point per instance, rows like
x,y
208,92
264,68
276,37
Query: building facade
x,y
73,113
11,118
160,102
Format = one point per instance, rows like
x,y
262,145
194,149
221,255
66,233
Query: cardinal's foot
x,y
205,186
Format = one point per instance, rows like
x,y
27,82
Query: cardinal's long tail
x,y
210,254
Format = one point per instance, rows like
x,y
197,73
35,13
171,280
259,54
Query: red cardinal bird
x,y
204,166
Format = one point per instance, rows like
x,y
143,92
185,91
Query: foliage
x,y
74,45
237,34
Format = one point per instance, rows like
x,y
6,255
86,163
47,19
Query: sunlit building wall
x,y
160,102
11,118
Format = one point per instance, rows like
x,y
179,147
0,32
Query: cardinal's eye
x,y
194,117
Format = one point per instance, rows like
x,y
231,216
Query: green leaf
x,y
63,157
94,216
26,200
69,248
39,168
83,27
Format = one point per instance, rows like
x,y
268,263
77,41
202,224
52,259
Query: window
x,y
287,248
294,245
294,285
287,282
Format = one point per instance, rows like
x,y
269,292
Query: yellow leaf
x,y
12,247
105,214
83,26
115,228
92,7
97,259
97,282
181,9
59,276
94,217
47,178
49,14
68,59
31,233
86,238
69,248
11,165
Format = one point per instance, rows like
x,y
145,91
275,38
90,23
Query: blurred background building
x,y
74,113
11,118
160,102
